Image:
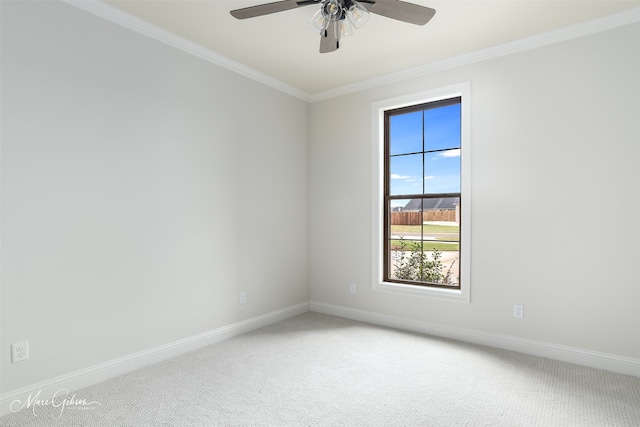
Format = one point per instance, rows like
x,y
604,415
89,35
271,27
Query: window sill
x,y
459,295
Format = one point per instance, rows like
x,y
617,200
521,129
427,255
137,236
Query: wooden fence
x,y
417,218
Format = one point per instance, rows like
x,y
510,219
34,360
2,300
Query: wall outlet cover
x,y
518,311
19,351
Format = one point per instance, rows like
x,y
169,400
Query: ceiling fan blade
x,y
402,11
266,9
328,40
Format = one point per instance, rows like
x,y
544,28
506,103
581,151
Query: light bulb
x,y
357,14
332,10
343,28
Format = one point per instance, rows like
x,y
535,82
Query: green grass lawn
x,y
442,233
430,245
428,229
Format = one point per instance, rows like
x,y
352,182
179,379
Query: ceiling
x,y
283,47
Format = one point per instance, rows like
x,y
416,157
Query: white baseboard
x,y
104,371
594,359
95,374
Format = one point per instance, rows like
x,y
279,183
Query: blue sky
x,y
441,157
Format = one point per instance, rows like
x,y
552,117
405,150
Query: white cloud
x,y
396,176
429,177
450,153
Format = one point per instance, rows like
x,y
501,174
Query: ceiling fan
x,y
335,18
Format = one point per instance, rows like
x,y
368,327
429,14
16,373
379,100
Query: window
x,y
422,194
421,205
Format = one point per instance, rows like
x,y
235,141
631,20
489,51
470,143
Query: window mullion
x,y
423,191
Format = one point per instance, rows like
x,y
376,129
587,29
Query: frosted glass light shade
x,y
343,29
358,15
318,22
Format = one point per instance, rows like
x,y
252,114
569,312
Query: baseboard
x,y
95,374
609,362
104,371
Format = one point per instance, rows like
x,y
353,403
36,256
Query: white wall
x,y
555,146
132,174
142,190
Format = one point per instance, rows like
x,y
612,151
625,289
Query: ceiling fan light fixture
x,y
345,19
337,18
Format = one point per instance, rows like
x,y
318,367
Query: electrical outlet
x,y
19,351
243,297
352,288
518,311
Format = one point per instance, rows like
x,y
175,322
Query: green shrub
x,y
412,263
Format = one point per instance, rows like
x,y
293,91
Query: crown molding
x,y
567,33
116,16
123,19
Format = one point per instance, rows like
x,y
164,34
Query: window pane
x,y
424,240
405,221
442,172
406,174
404,260
441,221
446,267
423,263
442,128
405,133
441,240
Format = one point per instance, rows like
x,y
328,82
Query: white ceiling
x,y
282,46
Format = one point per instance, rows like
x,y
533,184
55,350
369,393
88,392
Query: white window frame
x,y
378,108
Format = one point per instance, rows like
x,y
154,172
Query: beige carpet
x,y
319,370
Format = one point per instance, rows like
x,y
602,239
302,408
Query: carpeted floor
x,y
319,370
